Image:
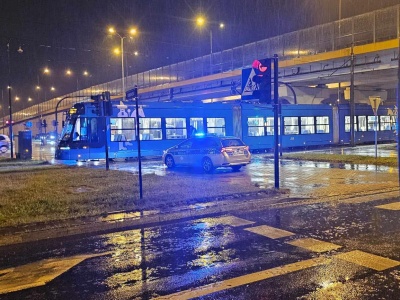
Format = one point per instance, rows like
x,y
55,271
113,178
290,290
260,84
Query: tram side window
x,y
122,129
362,123
176,128
347,123
371,123
216,126
385,123
150,129
255,127
307,125
291,125
269,126
197,124
322,124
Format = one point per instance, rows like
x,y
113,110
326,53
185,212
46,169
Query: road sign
x,y
375,102
28,124
248,86
131,94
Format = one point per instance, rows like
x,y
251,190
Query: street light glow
x,y
117,51
200,21
46,71
133,31
68,72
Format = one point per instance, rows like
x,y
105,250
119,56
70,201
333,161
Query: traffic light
x,y
97,108
97,104
106,96
262,78
44,123
107,105
107,108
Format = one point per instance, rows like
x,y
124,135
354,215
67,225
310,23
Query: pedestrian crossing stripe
x,y
361,258
246,279
38,273
314,245
270,232
233,221
390,206
368,260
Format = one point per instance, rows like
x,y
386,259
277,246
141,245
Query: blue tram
x,y
163,125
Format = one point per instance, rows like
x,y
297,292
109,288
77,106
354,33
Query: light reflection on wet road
x,y
302,178
186,257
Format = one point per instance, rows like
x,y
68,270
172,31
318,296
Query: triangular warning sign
x,y
375,102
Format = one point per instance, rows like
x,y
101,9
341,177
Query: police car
x,y
209,153
4,143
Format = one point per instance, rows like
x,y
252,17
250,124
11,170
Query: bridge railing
x,y
367,28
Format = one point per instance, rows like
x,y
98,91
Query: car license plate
x,y
238,152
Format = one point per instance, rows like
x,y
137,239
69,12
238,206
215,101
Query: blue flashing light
x,y
199,134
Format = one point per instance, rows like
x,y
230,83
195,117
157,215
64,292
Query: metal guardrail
x,y
367,28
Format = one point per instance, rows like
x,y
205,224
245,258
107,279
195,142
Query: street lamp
x,y
9,98
132,32
201,22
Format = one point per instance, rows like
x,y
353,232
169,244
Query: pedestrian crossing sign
x,y
248,85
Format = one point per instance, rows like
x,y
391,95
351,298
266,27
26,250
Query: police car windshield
x,y
232,143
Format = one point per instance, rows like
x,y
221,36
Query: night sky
x,y
73,34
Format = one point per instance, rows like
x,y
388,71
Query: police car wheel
x,y
207,165
169,162
3,149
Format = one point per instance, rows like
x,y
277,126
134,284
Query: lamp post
x,y
10,103
132,32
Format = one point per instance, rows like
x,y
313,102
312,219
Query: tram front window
x,y
83,131
66,133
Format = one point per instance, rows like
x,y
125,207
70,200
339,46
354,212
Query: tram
x,y
165,124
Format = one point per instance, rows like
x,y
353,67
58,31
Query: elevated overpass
x,y
314,64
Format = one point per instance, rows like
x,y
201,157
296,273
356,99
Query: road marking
x,y
270,232
390,206
314,245
247,279
38,273
233,221
368,260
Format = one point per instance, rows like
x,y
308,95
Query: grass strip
x,y
61,192
338,158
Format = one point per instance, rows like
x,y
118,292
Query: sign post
x,y
375,102
133,95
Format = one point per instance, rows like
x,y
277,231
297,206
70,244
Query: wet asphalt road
x,y
194,254
267,254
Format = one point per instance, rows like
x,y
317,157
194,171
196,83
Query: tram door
x,y
89,132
